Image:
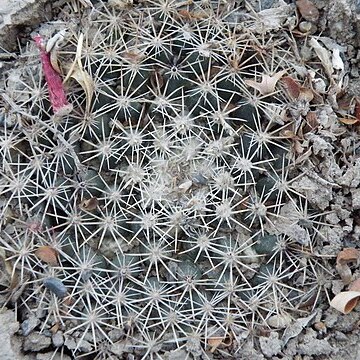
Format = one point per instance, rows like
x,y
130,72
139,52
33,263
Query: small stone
x,y
271,345
307,27
51,356
55,286
340,336
29,325
36,342
58,339
8,327
280,321
308,10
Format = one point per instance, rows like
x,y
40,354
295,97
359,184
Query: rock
x,y
29,325
36,342
355,198
340,20
52,356
16,14
58,339
8,327
271,345
313,346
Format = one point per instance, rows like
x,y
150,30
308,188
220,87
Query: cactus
x,y
189,168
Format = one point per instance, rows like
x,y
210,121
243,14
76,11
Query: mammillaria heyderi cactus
x,y
149,214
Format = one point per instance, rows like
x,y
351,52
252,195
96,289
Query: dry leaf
x,y
337,62
323,55
348,255
355,285
89,204
55,328
77,72
288,134
52,47
357,109
345,301
306,94
292,87
86,82
132,56
267,84
215,342
312,120
345,257
349,121
280,321
308,10
47,254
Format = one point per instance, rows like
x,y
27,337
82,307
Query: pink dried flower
x,y
54,82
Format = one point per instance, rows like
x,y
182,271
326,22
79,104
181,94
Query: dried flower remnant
x,y
56,89
345,257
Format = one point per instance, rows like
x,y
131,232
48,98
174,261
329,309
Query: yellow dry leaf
x,y
86,82
77,72
267,84
215,342
349,121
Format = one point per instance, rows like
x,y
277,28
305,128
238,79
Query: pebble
x,y
307,27
55,286
36,342
29,325
58,339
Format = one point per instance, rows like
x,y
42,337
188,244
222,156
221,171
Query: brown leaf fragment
x,y
357,109
132,56
292,87
215,342
308,10
349,121
311,121
306,94
89,204
355,285
348,255
55,328
288,134
47,254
